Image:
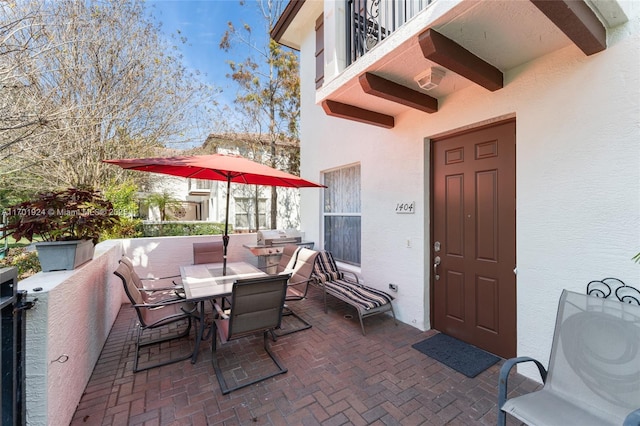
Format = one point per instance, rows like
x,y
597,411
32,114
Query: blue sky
x,y
203,23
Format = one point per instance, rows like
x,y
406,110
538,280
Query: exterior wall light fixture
x,y
430,79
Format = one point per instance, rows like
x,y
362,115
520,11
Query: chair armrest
x,y
353,274
633,419
158,278
502,382
153,290
159,303
510,363
300,282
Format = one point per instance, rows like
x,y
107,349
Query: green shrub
x,y
169,229
126,228
123,198
26,261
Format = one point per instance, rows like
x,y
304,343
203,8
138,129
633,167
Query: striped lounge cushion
x,y
326,272
363,296
325,268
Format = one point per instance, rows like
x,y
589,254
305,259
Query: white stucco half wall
x,y
65,332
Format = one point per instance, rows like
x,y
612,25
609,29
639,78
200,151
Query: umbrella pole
x,y
225,237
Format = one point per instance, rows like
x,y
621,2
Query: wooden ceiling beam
x,y
576,19
350,112
443,51
394,92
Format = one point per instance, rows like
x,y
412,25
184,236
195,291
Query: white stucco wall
x,y
577,177
163,256
65,332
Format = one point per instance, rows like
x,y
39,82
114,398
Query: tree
x,y
165,202
86,80
269,91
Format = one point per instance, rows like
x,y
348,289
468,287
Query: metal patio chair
x,y
594,368
208,252
298,262
154,313
256,306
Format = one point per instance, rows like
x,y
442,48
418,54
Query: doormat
x,y
456,354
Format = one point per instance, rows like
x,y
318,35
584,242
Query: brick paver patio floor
x,y
336,376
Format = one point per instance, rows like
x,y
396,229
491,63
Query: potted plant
x,y
68,223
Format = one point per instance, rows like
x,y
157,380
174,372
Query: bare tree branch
x,y
86,80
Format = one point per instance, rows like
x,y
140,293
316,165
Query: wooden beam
x,y
576,19
441,50
350,112
394,92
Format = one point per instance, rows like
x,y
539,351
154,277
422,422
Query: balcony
x,y
371,21
200,187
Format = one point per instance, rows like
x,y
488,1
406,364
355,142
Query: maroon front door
x,y
473,244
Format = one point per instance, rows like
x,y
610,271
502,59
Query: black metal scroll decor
x,y
367,26
613,287
371,21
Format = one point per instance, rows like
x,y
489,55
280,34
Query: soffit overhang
x,y
293,24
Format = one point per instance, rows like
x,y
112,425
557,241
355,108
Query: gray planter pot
x,y
64,255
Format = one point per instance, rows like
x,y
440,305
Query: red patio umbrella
x,y
228,168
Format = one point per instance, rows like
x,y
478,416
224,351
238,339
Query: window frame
x,y
347,214
262,214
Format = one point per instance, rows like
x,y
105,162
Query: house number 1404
x,y
406,207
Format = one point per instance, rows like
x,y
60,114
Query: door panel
x,y
454,237
473,202
455,296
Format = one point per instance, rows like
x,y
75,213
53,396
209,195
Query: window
x,y
342,214
200,185
246,213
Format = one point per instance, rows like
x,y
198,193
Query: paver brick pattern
x,y
336,376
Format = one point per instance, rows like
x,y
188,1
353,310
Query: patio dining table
x,y
205,282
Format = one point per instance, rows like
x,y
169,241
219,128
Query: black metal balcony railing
x,y
371,21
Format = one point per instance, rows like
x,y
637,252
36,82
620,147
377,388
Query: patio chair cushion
x,y
134,276
303,267
288,258
363,297
325,268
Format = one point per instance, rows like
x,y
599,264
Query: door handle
x,y
436,263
